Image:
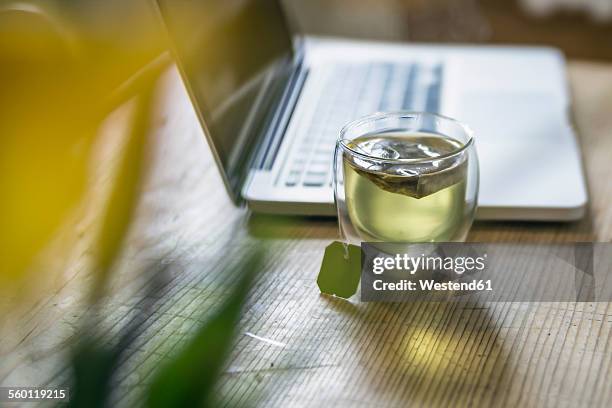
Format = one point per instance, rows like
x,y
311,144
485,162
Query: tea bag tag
x,y
340,270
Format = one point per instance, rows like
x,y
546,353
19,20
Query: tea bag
x,y
412,178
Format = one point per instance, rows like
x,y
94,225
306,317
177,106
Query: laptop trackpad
x,y
502,115
526,149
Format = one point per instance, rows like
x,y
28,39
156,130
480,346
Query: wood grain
x,y
330,351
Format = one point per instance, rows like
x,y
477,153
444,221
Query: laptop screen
x,y
234,56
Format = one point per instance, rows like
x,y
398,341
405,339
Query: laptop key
x,y
318,168
292,181
432,103
315,179
408,102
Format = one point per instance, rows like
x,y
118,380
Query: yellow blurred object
x,y
56,87
45,128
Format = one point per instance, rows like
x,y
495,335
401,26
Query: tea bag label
x,y
340,270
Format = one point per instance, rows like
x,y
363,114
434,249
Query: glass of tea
x,y
405,177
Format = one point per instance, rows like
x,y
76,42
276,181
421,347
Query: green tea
x,y
416,199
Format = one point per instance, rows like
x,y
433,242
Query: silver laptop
x,y
272,104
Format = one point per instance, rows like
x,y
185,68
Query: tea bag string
x,y
341,230
343,237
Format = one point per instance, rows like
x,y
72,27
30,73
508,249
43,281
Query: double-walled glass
x,y
405,177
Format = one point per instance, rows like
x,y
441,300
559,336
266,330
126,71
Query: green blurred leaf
x,y
94,361
125,193
93,366
188,380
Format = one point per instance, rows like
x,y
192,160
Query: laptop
x,y
272,103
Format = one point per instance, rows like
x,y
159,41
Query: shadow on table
x,y
524,231
266,226
425,353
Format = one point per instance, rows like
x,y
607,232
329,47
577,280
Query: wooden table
x,y
326,351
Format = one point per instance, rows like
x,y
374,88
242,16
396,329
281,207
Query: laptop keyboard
x,y
353,91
